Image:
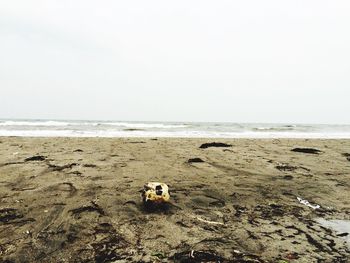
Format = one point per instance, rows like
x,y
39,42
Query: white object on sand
x,y
307,203
155,193
208,222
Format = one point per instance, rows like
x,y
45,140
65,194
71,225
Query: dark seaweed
x,y
35,158
306,150
195,160
214,144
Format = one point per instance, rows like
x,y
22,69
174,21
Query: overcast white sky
x,y
236,61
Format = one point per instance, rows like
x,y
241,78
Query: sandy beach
x,y
78,200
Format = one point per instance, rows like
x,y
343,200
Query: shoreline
x,y
179,138
124,129
77,199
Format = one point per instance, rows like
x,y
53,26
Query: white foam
x,y
145,125
54,128
34,123
76,123
171,134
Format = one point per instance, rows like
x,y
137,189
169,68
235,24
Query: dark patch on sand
x,y
306,150
9,214
286,167
77,173
10,163
54,167
90,165
106,249
195,160
214,144
35,158
93,207
133,129
343,234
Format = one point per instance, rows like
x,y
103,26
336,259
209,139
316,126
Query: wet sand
x,y
77,200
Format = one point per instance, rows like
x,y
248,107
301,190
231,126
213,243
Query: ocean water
x,y
65,128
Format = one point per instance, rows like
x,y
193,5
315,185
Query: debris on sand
x,y
306,150
214,144
286,167
8,214
207,221
155,194
88,165
195,160
307,203
35,158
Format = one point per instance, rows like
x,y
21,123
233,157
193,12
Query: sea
x,y
94,128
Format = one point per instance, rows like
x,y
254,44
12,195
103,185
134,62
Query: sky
x,y
186,60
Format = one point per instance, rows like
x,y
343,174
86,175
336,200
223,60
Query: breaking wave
x,y
56,128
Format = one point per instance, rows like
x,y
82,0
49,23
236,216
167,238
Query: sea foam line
x,y
172,134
